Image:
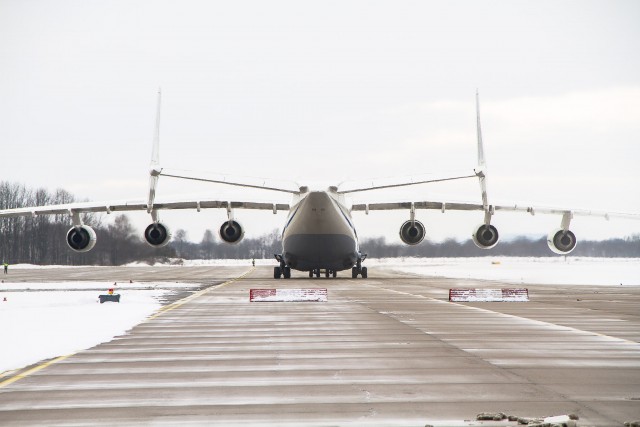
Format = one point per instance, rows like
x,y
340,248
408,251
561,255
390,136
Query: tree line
x,y
42,240
628,247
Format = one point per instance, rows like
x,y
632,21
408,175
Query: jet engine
x,y
81,238
231,232
561,241
485,236
157,235
412,234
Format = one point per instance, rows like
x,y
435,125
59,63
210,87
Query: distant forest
x,y
41,240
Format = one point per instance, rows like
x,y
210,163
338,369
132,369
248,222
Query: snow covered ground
x,y
60,321
548,270
553,270
64,317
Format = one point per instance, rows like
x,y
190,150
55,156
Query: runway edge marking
x,y
195,295
23,374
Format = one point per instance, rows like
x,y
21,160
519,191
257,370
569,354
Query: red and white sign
x,y
489,295
288,295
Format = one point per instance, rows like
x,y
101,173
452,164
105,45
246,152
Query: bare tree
x,y
208,244
180,241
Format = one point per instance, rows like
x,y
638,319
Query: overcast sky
x,y
327,91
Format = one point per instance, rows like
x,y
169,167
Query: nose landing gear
x,y
327,273
283,270
359,269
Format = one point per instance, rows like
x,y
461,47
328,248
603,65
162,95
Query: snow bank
x,y
95,286
46,324
553,270
173,262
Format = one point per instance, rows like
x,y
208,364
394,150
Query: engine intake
x,y
157,235
485,236
561,241
81,239
231,232
412,234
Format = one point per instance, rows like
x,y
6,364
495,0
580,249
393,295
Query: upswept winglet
x,y
481,171
154,168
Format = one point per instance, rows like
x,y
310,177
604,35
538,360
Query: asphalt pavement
x,y
387,350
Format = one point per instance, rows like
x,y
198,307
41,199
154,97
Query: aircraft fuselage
x,y
319,233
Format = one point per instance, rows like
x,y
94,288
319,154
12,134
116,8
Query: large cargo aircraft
x,y
319,234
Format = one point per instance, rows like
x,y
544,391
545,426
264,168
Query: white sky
x,y
327,91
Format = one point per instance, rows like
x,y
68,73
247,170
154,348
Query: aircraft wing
x,y
458,206
109,207
561,240
366,207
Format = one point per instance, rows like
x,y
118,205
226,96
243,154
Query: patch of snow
x,y
178,262
102,286
552,270
34,266
46,324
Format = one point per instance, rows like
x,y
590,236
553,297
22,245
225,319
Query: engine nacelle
x,y
485,236
561,242
412,234
157,235
231,232
81,239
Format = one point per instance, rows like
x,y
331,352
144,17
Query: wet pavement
x,y
387,350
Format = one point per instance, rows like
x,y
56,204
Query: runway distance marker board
x,y
288,295
489,295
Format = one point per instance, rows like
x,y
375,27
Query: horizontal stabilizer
x,y
269,185
380,184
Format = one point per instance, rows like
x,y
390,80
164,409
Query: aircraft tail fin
x,y
154,168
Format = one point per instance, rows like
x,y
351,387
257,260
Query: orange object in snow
x,y
110,291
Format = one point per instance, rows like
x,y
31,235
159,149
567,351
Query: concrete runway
x,y
387,350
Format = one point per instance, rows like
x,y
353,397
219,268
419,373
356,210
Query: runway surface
x,y
387,350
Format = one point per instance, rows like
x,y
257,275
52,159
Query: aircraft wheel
x,y
354,272
317,272
277,272
310,273
335,274
326,273
287,273
364,272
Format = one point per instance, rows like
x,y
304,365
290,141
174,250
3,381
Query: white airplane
x,y
319,235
